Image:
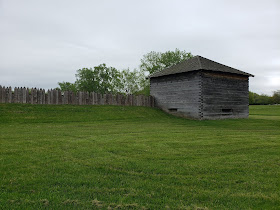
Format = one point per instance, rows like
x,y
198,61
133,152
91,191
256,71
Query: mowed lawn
x,y
89,157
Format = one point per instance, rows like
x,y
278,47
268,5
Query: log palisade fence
x,y
53,96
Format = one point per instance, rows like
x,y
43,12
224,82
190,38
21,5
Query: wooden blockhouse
x,y
200,88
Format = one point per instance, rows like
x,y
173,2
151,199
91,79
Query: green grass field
x,y
89,157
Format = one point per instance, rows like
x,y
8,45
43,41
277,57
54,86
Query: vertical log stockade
x,y
53,96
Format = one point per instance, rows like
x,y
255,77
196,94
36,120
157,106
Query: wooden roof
x,y
198,63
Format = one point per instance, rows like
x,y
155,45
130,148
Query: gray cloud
x,y
45,42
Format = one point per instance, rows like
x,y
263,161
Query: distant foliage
x,y
145,91
276,97
157,61
103,79
68,86
132,81
99,79
256,99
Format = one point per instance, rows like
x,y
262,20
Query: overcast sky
x,y
43,42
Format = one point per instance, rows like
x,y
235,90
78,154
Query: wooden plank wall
x,y
224,96
202,94
178,94
40,96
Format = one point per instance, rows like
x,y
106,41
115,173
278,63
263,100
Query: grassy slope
x,y
110,156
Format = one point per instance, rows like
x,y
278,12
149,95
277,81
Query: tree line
x,y
106,79
256,99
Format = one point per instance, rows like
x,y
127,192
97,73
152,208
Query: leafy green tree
x,y
257,99
251,97
157,61
100,79
103,79
264,99
132,81
276,97
67,86
145,91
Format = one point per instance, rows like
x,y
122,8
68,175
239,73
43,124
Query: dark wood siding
x,y
202,94
179,94
224,95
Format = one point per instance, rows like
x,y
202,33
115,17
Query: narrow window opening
x,y
227,110
173,110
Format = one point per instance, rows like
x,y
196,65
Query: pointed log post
x,y
6,95
122,100
87,100
91,98
24,95
35,100
70,98
53,96
98,99
75,98
109,99
57,100
65,97
43,96
1,94
15,95
28,96
114,101
49,97
20,95
80,97
39,96
31,97
59,97
95,98
10,94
